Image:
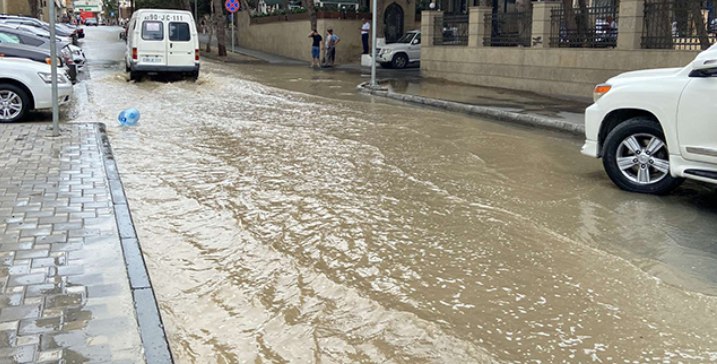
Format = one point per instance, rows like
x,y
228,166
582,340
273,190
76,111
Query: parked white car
x,y
26,85
406,50
654,128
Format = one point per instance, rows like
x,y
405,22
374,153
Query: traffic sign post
x,y
232,7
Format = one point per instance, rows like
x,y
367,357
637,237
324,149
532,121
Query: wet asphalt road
x,y
286,218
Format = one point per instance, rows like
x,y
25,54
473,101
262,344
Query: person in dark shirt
x,y
315,47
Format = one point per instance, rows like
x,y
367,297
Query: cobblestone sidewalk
x,y
65,293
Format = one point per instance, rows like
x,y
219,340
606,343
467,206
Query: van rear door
x,y
151,47
181,43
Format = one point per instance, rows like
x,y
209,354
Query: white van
x,y
162,41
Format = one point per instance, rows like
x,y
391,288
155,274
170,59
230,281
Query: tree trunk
x,y
582,22
210,25
311,9
186,5
34,8
571,25
701,28
219,27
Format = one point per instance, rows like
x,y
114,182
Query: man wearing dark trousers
x,y
364,34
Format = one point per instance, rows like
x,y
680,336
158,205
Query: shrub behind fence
x,y
677,24
589,27
452,30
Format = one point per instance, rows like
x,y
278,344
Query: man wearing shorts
x,y
315,47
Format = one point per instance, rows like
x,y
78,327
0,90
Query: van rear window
x,y
152,30
179,32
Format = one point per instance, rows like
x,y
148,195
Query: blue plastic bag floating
x,y
128,117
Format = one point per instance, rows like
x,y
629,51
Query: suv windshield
x,y
406,38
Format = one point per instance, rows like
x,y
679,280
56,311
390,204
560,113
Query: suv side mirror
x,y
416,41
704,68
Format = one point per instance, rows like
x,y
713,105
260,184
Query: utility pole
x,y
373,83
53,72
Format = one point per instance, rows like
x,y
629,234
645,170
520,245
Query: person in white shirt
x,y
331,41
364,34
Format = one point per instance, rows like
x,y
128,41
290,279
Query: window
x,y
179,32
152,30
418,39
9,38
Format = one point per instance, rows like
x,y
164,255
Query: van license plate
x,y
151,59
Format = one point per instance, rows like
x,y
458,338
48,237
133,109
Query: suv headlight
x,y
600,90
47,77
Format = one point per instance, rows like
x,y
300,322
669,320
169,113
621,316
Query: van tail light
x,y
134,54
196,54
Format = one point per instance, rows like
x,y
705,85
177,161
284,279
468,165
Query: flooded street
x,y
285,218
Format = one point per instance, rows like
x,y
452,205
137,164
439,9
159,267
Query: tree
x,y
219,22
34,8
696,14
311,9
576,24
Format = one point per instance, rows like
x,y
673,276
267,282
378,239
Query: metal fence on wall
x,y
452,30
589,27
677,24
509,29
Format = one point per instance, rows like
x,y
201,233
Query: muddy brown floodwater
x,y
283,225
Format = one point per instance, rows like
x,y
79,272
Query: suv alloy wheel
x,y
636,158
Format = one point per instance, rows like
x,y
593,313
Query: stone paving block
x,y
41,230
55,204
56,219
18,270
41,270
40,326
24,354
15,246
14,313
66,247
70,270
27,340
26,279
7,341
42,290
54,238
31,254
47,356
64,301
9,325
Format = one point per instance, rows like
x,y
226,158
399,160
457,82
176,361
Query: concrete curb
x,y
149,320
491,112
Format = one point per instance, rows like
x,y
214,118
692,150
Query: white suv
x,y
398,55
26,85
653,128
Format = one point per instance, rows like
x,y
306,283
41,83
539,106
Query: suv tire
x,y
17,103
636,158
399,61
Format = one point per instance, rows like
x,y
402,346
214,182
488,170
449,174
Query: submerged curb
x,y
491,112
149,320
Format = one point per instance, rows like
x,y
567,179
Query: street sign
x,y
232,6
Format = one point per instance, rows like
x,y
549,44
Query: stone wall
x,y
562,72
290,38
15,7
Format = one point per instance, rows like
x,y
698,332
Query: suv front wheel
x,y
636,159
